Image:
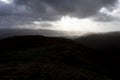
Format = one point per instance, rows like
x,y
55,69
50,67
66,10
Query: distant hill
x,y
40,57
101,41
32,41
4,33
107,45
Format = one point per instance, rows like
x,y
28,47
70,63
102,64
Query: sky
x,y
64,15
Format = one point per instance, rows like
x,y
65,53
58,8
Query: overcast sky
x,y
76,15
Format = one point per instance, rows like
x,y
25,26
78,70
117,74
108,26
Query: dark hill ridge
x,y
107,45
33,41
5,33
101,41
45,58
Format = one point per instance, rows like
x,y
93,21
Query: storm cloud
x,y
42,13
54,9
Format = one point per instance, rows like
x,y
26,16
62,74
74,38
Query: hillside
x,y
107,45
49,58
101,41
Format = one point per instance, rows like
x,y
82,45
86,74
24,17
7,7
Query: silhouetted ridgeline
x,y
49,57
4,33
101,41
107,46
44,58
33,41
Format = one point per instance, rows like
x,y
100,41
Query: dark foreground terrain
x,y
48,58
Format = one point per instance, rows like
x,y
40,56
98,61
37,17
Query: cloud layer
x,y
26,12
53,9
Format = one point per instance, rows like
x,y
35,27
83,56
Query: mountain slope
x,y
49,58
107,47
101,41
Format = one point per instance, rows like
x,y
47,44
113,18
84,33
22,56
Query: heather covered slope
x,y
49,58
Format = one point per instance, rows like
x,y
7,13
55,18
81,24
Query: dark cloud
x,y
45,24
13,9
22,12
53,9
15,21
103,18
5,9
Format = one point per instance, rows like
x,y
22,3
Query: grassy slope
x,y
45,58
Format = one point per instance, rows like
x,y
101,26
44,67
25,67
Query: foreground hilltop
x,y
49,58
